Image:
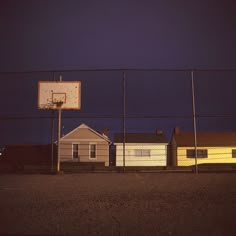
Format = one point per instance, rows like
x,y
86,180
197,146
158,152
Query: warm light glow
x,y
215,155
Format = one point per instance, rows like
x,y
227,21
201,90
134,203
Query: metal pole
x,y
52,141
59,136
59,133
124,128
194,123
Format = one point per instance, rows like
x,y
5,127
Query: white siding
x,y
157,156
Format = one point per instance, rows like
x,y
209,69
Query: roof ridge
x,y
84,126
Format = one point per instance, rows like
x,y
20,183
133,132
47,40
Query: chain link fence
x,y
122,101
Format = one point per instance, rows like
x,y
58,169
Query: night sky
x,y
42,37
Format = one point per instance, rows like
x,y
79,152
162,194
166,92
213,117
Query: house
x,y
212,147
85,145
141,149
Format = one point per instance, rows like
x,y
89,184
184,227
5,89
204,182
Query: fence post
x,y
52,134
124,117
194,123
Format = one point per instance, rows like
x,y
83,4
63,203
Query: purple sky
x,y
42,35
64,35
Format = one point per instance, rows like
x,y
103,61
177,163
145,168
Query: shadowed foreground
x,y
118,204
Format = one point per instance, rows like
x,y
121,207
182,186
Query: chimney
x,y
159,132
177,130
105,132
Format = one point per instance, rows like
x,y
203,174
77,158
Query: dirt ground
x,y
118,204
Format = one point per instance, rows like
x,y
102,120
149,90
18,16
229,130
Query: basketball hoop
x,y
58,104
59,95
65,95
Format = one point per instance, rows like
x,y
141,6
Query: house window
x,y
138,152
142,152
201,153
75,150
92,151
233,153
146,152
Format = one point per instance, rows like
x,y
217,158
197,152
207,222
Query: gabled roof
x,y
211,139
140,138
83,126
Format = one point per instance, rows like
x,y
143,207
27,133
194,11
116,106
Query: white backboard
x,y
52,94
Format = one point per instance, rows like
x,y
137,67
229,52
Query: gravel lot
x,y
118,204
